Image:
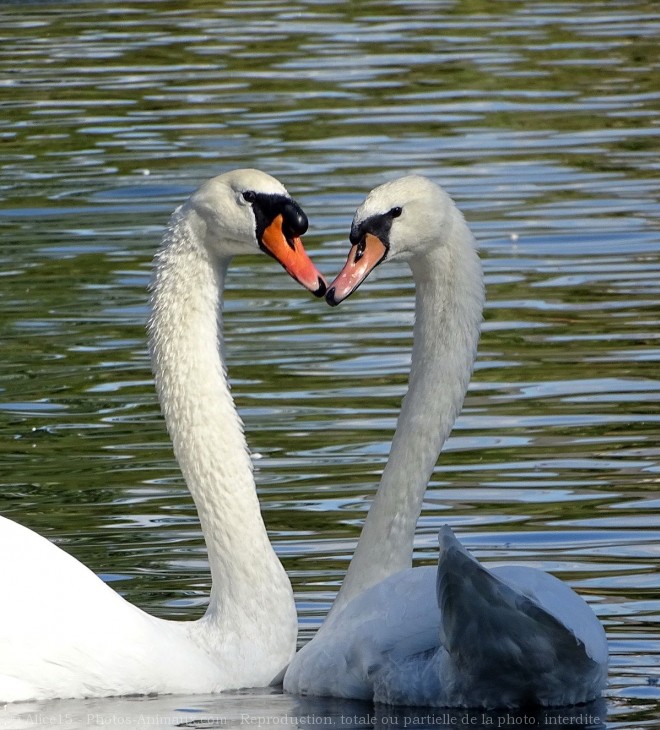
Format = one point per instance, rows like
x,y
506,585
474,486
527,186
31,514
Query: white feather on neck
x,y
185,331
448,309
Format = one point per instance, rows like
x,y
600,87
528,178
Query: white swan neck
x,y
185,336
448,310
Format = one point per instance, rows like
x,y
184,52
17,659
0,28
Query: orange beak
x,y
362,260
291,253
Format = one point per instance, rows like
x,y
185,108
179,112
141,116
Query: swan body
x,y
63,631
457,635
507,637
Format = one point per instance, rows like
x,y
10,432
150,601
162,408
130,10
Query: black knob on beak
x,y
294,220
356,234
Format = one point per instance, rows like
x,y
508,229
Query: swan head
x,y
400,219
246,210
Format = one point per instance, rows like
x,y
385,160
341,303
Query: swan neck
x,y
449,299
185,339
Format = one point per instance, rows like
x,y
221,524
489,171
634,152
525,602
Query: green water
x,y
539,118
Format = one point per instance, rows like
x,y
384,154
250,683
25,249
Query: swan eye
x,y
249,196
360,249
396,212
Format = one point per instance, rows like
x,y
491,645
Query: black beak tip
x,y
320,292
330,297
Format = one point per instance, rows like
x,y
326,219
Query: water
x,y
539,118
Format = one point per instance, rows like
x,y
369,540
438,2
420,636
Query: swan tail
x,y
506,647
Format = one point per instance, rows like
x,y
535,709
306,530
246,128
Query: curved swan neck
x,y
185,337
448,309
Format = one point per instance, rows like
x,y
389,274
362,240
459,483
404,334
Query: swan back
x,y
66,633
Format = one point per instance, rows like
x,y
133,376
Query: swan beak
x,y
362,260
291,253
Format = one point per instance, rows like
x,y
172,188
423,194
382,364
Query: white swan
x,y
65,633
458,635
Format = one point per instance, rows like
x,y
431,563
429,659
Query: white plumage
x,y
459,634
65,633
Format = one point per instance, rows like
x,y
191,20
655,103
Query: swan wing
x,y
65,633
515,636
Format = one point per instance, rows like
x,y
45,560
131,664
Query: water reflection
x,y
264,709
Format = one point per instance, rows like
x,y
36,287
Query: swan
x,y
63,631
458,635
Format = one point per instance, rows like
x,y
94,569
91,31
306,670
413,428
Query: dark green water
x,y
540,118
